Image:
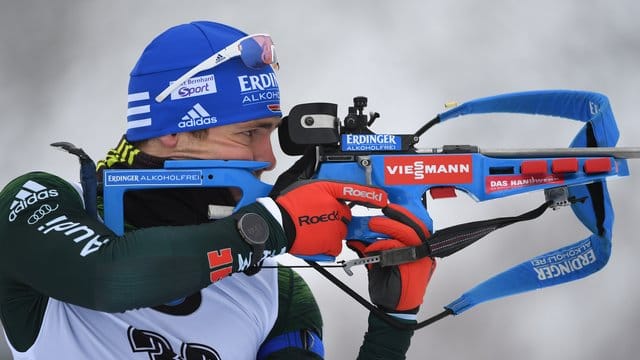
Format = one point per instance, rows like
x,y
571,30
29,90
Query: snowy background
x,y
64,68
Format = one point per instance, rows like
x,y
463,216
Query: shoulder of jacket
x,y
33,187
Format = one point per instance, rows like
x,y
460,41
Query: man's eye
x,y
254,132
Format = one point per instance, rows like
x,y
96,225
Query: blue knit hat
x,y
229,93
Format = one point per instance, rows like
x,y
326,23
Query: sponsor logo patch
x,y
196,86
261,88
44,210
369,195
511,182
30,193
432,169
370,142
565,262
77,232
314,219
152,177
196,117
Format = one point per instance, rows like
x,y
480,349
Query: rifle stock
x,y
348,150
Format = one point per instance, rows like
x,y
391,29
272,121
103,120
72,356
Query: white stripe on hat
x,y
138,96
138,123
138,110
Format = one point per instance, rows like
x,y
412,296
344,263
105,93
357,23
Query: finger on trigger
x,y
395,230
402,215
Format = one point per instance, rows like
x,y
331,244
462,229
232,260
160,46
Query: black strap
x,y
88,177
596,189
375,310
450,240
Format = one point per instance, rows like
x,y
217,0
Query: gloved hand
x,y
398,288
315,216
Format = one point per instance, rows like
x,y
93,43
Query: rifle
x,y
348,150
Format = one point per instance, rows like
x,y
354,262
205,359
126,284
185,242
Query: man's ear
x,y
169,141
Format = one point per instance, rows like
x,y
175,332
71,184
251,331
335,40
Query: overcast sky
x,y
64,68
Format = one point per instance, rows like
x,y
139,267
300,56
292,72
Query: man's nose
x,y
263,151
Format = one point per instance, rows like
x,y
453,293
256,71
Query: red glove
x,y
315,216
398,288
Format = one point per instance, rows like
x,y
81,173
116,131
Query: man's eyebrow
x,y
267,125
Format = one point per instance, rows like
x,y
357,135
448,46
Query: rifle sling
x,y
450,240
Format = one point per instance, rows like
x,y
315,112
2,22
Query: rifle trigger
x,y
348,264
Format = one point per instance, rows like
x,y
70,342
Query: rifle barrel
x,y
616,152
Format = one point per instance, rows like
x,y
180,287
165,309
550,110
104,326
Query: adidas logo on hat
x,y
196,117
219,58
31,193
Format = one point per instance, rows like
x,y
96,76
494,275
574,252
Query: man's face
x,y
242,141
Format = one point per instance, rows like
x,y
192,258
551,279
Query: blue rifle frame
x,y
407,176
